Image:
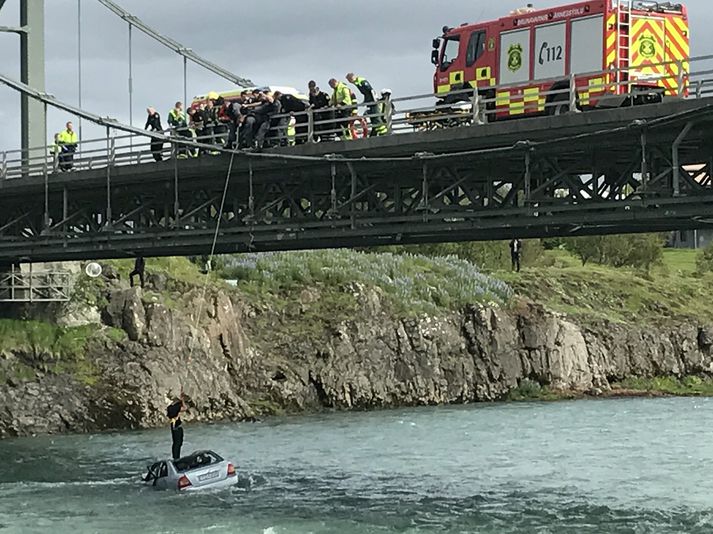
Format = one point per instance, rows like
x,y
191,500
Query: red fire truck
x,y
611,47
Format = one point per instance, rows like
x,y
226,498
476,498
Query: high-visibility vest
x,y
342,96
177,118
66,137
365,89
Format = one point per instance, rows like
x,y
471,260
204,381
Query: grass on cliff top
x,y
620,295
412,283
176,268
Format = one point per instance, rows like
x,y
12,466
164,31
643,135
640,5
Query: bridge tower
x,y
32,69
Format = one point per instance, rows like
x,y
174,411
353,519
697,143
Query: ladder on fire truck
x,y
623,43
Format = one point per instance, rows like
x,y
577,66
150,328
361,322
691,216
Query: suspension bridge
x,y
443,173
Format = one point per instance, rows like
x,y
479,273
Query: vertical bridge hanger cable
x,y
177,47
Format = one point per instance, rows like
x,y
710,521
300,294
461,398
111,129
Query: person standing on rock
x,y
516,254
139,266
173,412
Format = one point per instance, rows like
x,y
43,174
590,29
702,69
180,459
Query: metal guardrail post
x,y
476,107
681,79
110,158
31,287
46,218
310,125
572,93
389,115
3,166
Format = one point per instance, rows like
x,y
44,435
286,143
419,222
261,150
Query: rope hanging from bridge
x,y
177,47
209,266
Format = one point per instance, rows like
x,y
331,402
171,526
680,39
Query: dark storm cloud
x,y
281,43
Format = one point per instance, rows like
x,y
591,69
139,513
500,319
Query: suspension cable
x,y
177,47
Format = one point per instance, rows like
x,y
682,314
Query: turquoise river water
x,y
610,466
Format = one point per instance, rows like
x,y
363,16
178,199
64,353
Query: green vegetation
x,y
690,386
411,283
181,270
642,251
38,346
39,338
704,260
594,291
489,256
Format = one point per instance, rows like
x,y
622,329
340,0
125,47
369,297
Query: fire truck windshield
x,y
450,51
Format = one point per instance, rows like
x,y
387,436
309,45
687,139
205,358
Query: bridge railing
x,y
467,107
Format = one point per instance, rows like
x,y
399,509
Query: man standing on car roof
x,y
173,412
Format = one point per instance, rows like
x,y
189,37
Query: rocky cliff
x,y
245,360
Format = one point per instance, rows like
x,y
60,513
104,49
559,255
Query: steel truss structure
x,y
619,171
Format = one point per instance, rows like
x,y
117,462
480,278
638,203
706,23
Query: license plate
x,y
208,476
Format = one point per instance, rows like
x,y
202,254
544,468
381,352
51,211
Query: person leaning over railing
x,y
367,91
298,110
179,126
344,104
153,123
319,100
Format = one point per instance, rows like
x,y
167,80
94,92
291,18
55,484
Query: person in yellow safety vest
x,y
343,102
67,142
386,110
179,127
372,109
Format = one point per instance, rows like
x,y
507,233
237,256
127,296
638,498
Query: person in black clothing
x,y
257,122
318,99
173,412
292,104
153,123
139,266
210,122
233,110
222,121
515,254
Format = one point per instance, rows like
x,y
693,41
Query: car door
x,y
162,481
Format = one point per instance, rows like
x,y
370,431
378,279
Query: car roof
x,y
186,463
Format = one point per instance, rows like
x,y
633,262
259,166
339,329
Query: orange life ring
x,y
359,128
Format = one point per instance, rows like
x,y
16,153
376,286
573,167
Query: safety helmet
x,y
212,95
386,91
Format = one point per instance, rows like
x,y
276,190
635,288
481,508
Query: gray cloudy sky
x,y
278,43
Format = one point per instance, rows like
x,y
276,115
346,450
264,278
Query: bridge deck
x,y
595,172
444,141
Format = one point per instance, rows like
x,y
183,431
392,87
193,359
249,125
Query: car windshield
x,y
197,460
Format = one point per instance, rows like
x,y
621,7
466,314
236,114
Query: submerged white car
x,y
197,471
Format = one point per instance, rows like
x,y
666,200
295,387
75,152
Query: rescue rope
x,y
209,267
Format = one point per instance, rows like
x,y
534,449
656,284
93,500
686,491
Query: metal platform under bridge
x,y
626,170
30,286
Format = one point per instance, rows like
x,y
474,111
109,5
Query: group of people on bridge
x,y
255,118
